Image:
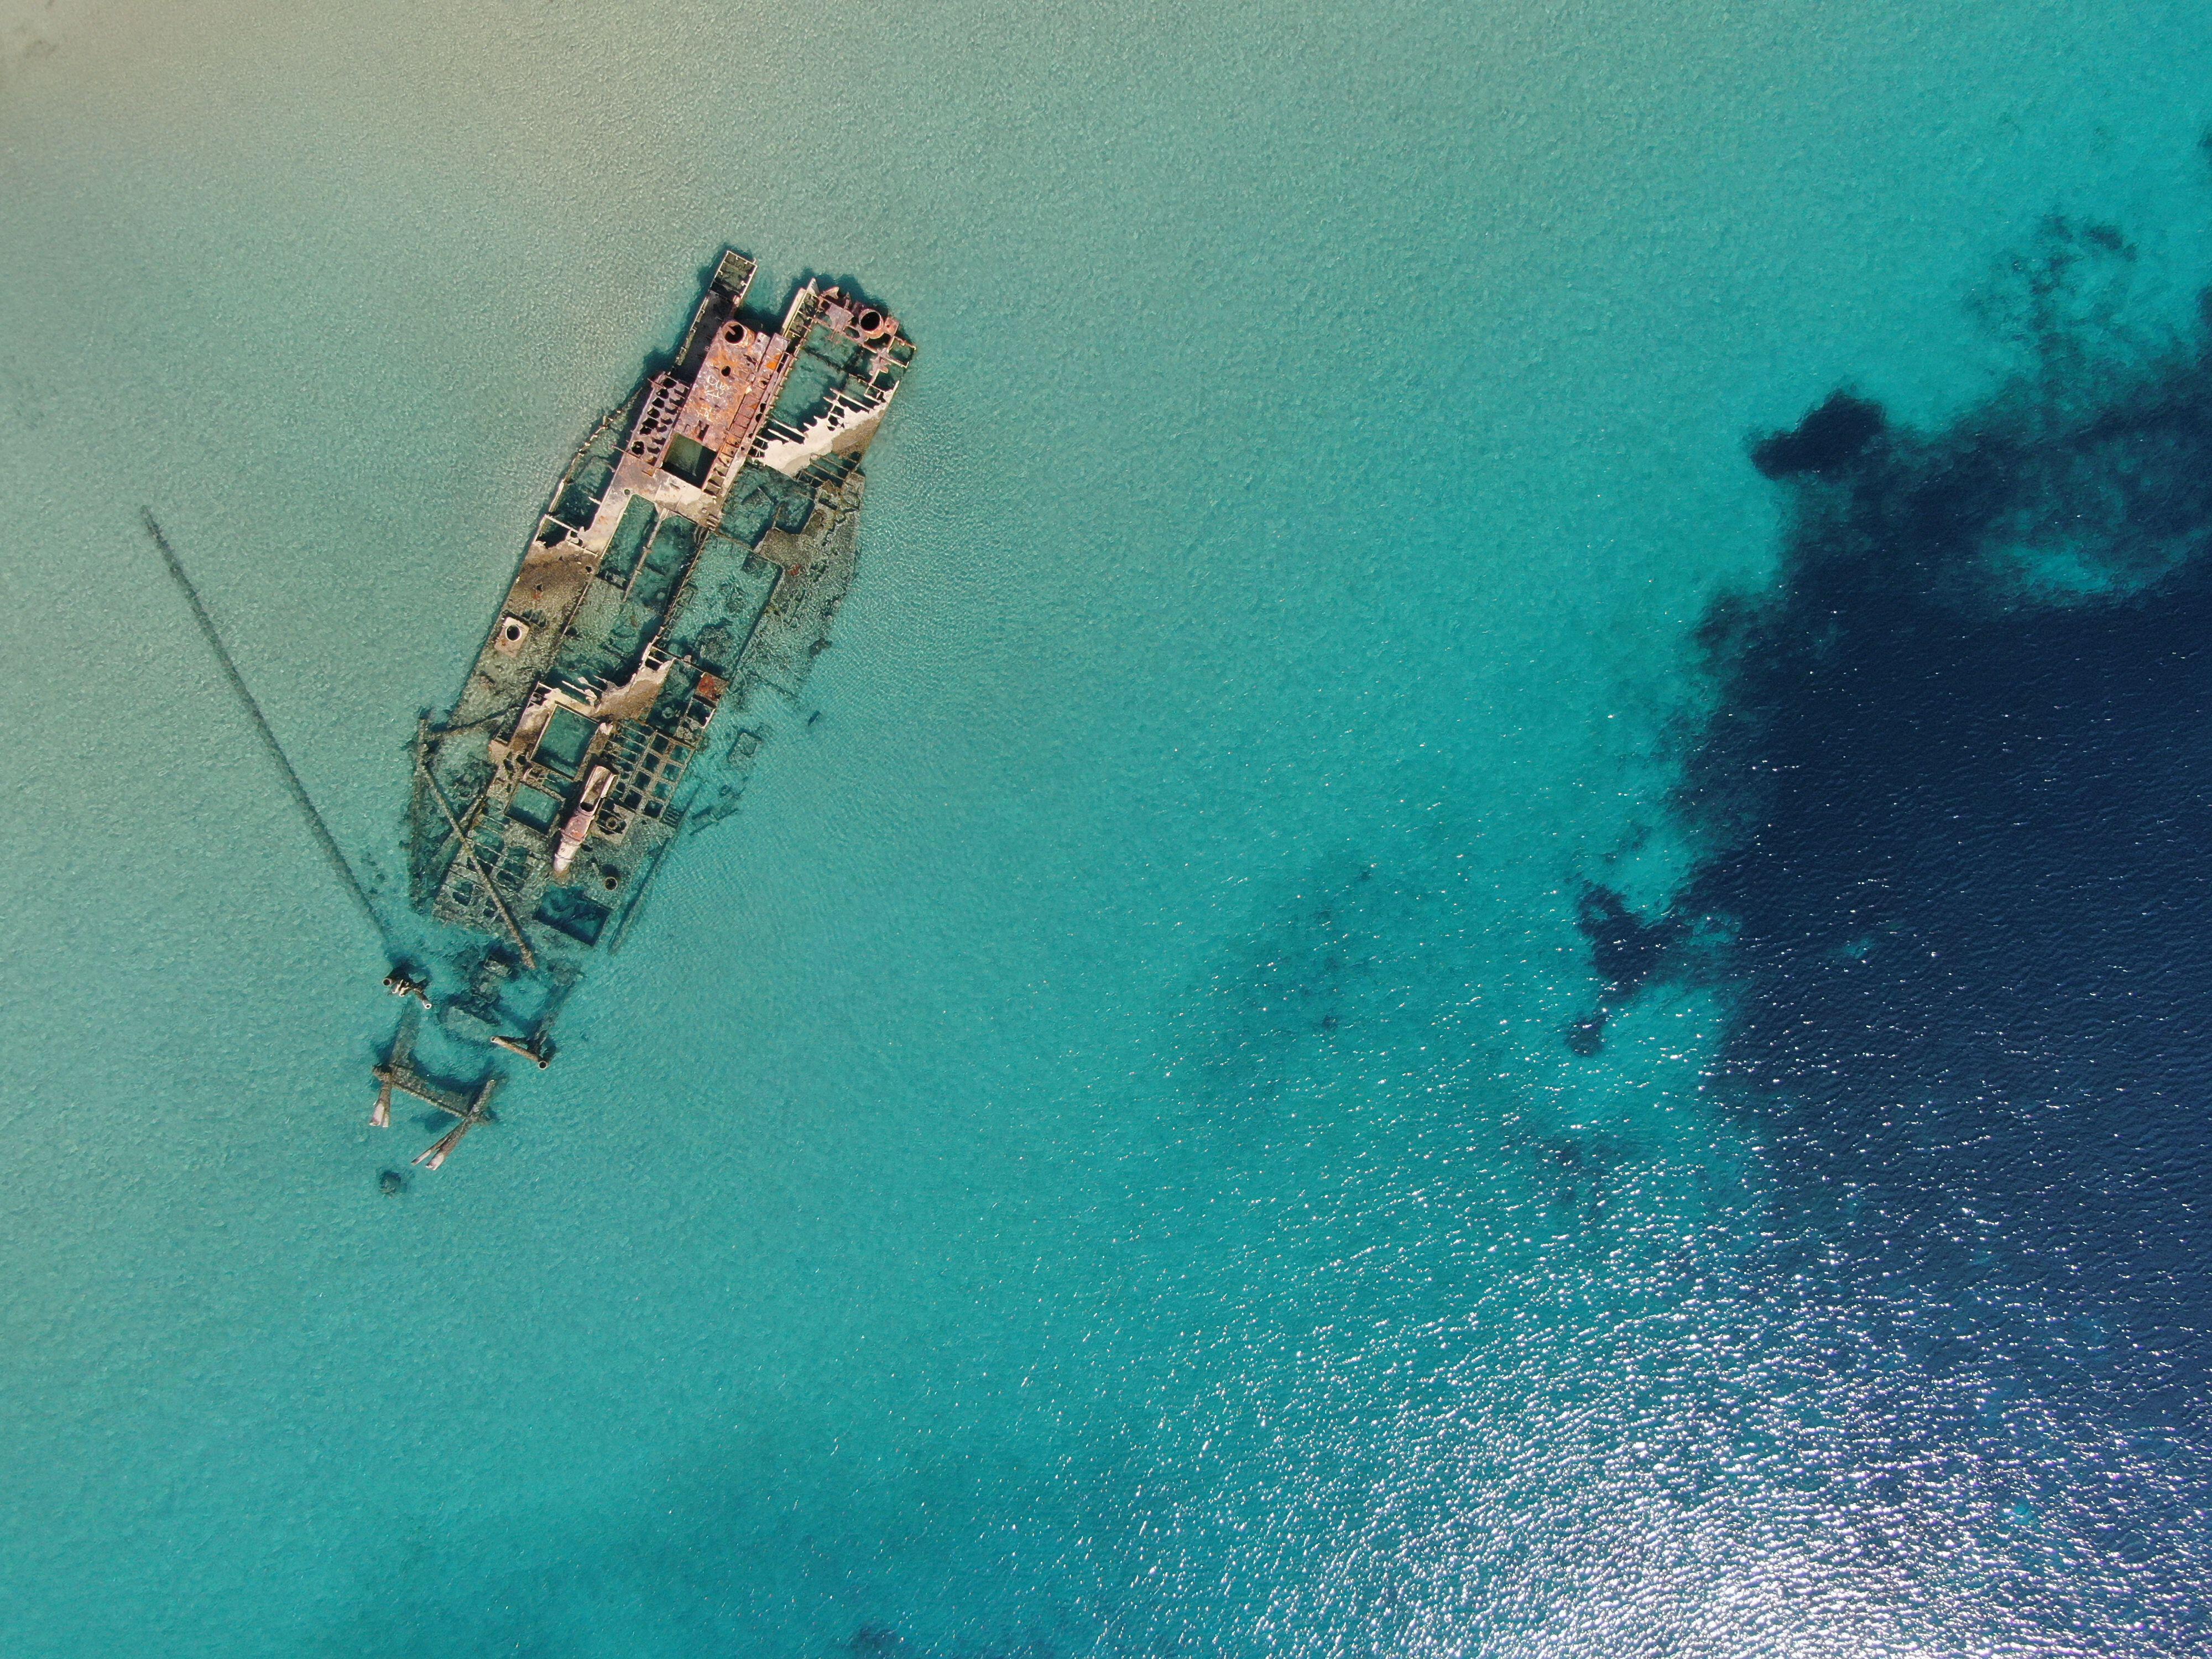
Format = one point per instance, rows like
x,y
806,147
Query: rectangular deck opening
x,y
689,460
568,736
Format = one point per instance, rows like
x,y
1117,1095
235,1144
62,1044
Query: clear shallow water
x,y
1092,1159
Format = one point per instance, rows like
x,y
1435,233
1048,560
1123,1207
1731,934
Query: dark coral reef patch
x,y
1955,809
1952,811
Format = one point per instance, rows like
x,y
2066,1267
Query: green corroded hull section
x,y
660,627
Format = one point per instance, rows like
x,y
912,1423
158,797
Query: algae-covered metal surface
x,y
681,581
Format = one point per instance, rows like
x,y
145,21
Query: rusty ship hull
x,y
684,576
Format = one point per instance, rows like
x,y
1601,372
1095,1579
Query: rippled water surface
x,y
1491,944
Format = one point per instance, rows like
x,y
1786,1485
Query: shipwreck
x,y
681,580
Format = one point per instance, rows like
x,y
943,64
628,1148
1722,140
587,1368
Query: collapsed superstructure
x,y
678,588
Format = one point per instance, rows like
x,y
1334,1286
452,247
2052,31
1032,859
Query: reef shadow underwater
x,y
1952,801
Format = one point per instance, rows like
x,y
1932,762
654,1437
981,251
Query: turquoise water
x,y
1085,1161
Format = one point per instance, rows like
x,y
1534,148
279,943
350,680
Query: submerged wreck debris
x,y
678,589
472,1104
404,982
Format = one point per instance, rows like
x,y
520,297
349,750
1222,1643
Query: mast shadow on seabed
x,y
469,1103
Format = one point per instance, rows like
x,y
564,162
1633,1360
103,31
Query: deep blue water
x,y
1955,887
